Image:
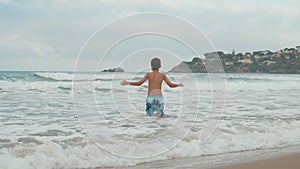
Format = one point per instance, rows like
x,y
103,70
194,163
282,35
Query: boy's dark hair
x,y
155,63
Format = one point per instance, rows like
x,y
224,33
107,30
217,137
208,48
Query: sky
x,y
49,35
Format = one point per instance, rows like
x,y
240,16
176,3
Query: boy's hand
x,y
125,82
180,85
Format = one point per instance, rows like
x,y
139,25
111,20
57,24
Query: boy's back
x,y
155,79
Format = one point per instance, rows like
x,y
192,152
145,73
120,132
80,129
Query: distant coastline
x,y
284,61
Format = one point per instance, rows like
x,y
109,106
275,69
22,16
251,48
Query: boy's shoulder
x,y
152,73
163,74
158,74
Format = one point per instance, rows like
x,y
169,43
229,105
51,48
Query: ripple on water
x,y
27,140
4,140
53,133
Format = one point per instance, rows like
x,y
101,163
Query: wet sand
x,y
291,161
277,158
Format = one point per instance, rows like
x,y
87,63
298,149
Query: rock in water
x,y
195,66
118,69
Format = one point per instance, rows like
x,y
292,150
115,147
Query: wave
x,y
12,77
261,77
103,89
64,88
54,76
45,81
108,80
65,76
64,149
69,77
251,79
91,76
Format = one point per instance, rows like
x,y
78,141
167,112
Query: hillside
x,y
284,61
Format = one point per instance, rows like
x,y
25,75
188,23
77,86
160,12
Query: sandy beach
x,y
291,161
277,158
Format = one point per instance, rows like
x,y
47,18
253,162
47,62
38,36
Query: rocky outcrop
x,y
118,69
195,66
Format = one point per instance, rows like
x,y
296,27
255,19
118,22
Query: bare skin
x,y
155,79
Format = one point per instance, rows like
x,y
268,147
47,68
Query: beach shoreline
x,y
290,161
274,158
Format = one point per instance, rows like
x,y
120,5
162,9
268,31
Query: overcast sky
x,y
48,35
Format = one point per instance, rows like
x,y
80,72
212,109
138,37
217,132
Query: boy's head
x,y
155,63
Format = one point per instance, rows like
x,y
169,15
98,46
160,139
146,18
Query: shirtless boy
x,y
154,101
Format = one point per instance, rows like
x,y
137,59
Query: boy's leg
x,y
149,109
160,110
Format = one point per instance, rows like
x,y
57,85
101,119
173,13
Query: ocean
x,y
58,120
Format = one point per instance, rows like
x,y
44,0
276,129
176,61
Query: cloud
x,y
33,48
59,28
5,1
15,37
18,41
38,51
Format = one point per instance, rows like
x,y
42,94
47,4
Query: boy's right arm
x,y
125,82
170,84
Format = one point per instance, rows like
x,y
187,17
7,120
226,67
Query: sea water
x,y
58,120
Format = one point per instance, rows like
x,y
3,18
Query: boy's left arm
x,y
170,84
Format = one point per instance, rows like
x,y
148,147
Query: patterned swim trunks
x,y
154,103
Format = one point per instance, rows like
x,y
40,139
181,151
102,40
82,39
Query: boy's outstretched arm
x,y
125,82
170,84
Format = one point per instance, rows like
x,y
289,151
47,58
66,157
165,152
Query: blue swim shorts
x,y
154,103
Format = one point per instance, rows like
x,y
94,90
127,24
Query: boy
x,y
154,101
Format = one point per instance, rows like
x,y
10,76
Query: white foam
x,y
36,85
87,155
56,76
259,114
85,76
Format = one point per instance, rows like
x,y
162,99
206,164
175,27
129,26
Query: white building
x,y
287,51
269,62
265,52
229,63
245,61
